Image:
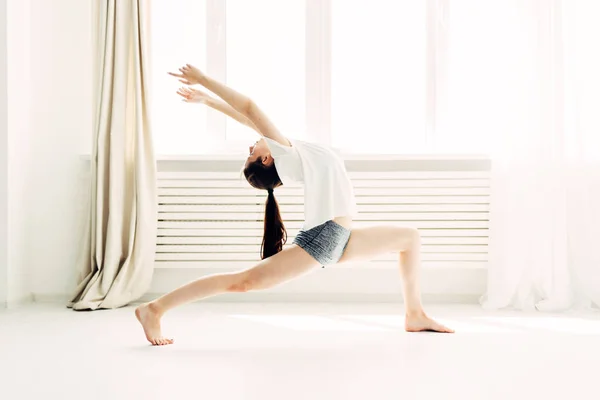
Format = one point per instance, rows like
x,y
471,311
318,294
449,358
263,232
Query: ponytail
x,y
265,177
275,235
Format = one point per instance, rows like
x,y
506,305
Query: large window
x,y
265,60
378,76
361,76
178,36
257,47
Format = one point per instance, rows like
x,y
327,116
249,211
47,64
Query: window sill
x,y
344,156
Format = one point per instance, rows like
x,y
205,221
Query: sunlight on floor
x,y
309,323
577,326
358,322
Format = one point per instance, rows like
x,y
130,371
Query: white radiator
x,y
215,219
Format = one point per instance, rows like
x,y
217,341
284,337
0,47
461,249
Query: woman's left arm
x,y
191,75
197,96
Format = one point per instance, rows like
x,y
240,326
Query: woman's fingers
x,y
186,92
187,75
184,73
184,70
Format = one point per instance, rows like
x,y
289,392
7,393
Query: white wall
x,y
49,105
3,161
62,123
20,138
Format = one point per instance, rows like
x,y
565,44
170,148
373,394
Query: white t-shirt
x,y
328,191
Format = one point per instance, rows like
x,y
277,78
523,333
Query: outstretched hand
x,y
191,95
188,75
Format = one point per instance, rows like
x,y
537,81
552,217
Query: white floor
x,y
293,351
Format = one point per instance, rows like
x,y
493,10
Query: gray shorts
x,y
325,243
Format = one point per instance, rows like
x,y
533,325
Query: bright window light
x,y
378,86
177,37
266,61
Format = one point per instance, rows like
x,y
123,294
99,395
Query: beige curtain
x,y
120,239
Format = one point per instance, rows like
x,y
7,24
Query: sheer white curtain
x,y
542,112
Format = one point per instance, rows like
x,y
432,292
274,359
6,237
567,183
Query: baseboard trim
x,y
19,301
327,285
353,298
264,297
51,298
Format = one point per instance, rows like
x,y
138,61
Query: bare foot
x,y
421,322
150,320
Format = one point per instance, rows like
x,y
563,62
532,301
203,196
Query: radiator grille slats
x,y
215,219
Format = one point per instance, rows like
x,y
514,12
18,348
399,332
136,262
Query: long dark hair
x,y
265,177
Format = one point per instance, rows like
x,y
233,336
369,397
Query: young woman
x,y
327,236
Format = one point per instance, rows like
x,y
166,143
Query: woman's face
x,y
260,150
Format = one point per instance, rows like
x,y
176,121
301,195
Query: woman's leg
x,y
367,243
283,266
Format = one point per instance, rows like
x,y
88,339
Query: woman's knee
x,y
247,281
408,238
415,235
